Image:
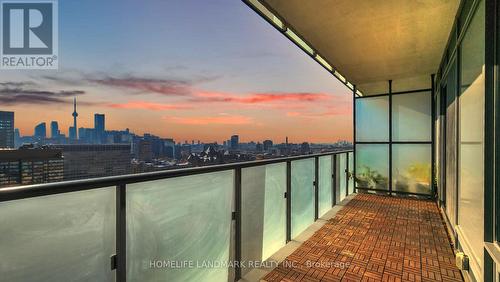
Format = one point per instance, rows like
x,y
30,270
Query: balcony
x,y
424,81
286,219
417,192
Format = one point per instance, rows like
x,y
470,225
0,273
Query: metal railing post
x,y
288,201
354,139
390,137
237,218
316,188
334,179
347,174
121,233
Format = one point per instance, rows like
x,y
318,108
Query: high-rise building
x,y
95,160
178,151
235,140
27,166
41,131
72,133
305,148
86,135
119,136
268,144
17,138
74,136
54,130
99,128
258,147
145,150
6,129
169,146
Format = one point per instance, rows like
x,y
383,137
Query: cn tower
x,y
75,114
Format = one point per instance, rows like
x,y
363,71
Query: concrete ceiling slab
x,y
370,41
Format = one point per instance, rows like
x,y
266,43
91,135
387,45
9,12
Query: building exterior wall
x,y
30,166
90,161
461,81
6,129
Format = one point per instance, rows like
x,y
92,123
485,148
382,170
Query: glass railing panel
x,y
350,169
263,212
341,176
302,195
411,168
183,220
325,184
63,237
372,166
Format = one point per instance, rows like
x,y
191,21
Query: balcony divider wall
x,y
205,223
394,139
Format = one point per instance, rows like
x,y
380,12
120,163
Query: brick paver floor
x,y
375,238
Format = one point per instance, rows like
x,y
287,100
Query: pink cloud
x,y
205,120
331,111
142,105
257,98
186,88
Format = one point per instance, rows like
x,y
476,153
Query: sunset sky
x,y
190,69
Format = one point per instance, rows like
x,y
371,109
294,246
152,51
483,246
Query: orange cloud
x,y
223,119
255,98
142,105
333,111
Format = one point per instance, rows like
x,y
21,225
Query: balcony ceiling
x,y
370,41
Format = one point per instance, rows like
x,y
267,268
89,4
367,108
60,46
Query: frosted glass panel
x,y
65,237
341,179
302,195
325,184
180,219
263,229
471,161
372,166
372,119
411,117
411,168
351,174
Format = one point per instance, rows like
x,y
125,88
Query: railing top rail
x,y
29,191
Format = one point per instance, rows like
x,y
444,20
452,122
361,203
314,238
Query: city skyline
x,y
52,130
178,79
